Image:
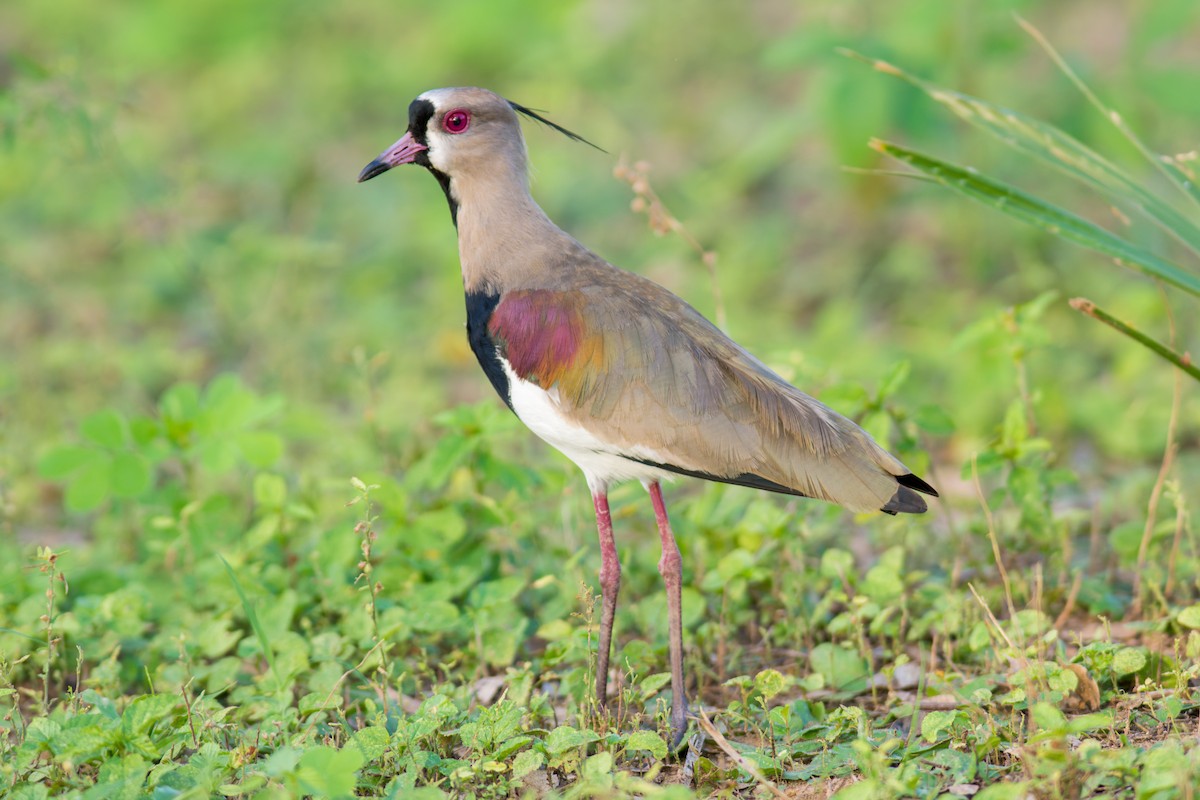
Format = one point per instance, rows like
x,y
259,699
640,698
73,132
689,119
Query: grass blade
x,y
1167,167
1056,148
1046,216
1184,362
259,631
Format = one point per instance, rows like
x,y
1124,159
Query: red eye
x,y
456,121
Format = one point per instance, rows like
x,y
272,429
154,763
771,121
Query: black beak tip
x,y
373,170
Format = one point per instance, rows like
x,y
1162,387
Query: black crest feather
x,y
529,112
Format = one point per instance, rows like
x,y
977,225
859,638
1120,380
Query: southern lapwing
x,y
620,375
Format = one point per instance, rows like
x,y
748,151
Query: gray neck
x,y
505,240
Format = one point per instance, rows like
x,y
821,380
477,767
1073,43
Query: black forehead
x,y
420,111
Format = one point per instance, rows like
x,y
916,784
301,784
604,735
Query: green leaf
x,y
500,646
1129,660
145,712
527,762
837,564
565,738
841,667
1004,791
318,701
648,741
282,761
372,741
1037,212
770,682
180,403
90,486
218,456
64,460
84,738
1048,718
105,428
934,419
937,722
883,584
894,379
261,449
434,615
597,766
653,683
324,771
131,475
270,491
1189,617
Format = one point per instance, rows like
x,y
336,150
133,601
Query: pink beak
x,y
404,151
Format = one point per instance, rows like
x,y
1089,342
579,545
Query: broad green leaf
x,y
218,456
936,722
327,772
500,646
90,486
527,762
934,419
837,564
84,738
146,711
131,475
490,593
1129,660
181,402
372,741
1048,718
436,615
648,741
565,738
270,491
841,667
597,766
62,461
261,449
105,428
770,682
1037,212
1004,791
1189,617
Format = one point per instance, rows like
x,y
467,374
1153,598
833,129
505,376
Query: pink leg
x,y
670,566
610,584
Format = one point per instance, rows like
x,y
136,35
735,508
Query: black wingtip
x,y
520,109
913,482
905,501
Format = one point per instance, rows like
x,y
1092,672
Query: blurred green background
x,y
177,200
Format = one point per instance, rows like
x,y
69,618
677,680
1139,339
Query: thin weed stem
x,y
646,201
991,523
1168,461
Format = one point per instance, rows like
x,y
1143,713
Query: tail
x,y
906,500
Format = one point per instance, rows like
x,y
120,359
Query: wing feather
x,y
643,370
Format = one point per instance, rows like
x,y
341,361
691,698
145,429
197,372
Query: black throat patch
x,y
420,113
480,306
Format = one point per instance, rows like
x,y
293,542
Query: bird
x,y
619,374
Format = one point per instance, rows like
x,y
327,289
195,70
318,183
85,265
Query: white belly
x,y
602,463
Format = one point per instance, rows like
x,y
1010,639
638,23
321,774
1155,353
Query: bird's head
x,y
461,132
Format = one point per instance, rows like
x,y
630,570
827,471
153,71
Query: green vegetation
x,y
265,532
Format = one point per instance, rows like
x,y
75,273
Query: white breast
x,y
603,463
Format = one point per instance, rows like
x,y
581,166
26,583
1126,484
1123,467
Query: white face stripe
x,y
602,463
